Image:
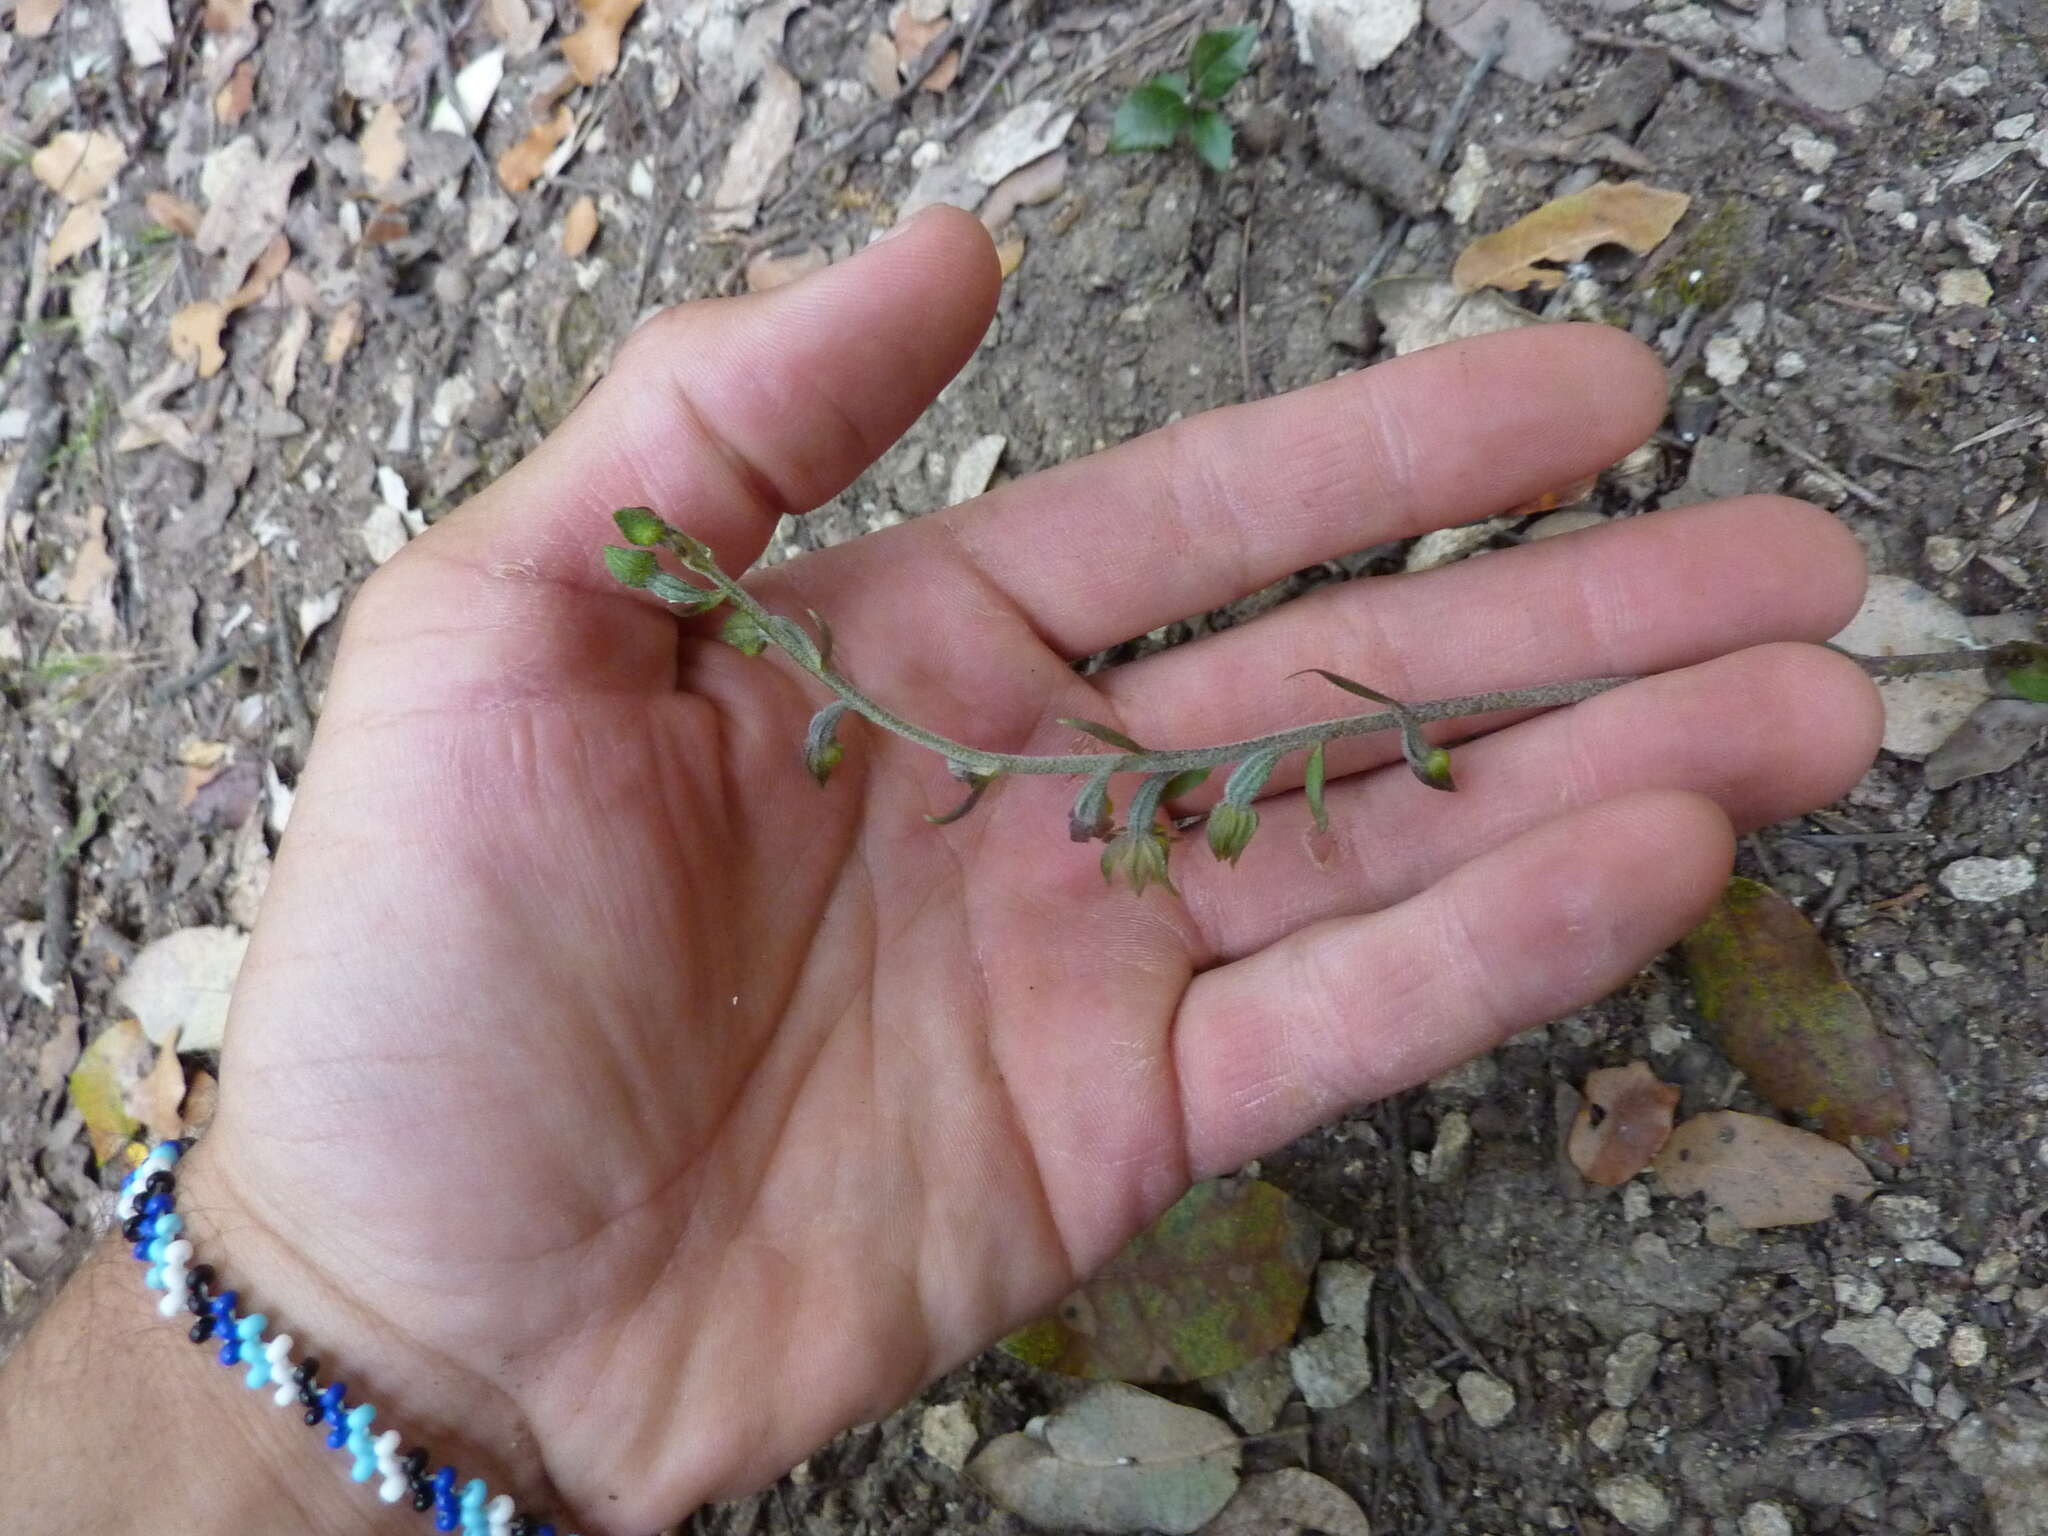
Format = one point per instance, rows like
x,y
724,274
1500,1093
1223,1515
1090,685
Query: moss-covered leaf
x,y
1218,1280
1781,1011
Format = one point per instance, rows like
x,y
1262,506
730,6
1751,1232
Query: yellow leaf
x,y
383,146
79,231
1630,213
108,1070
195,336
520,166
593,48
579,226
79,164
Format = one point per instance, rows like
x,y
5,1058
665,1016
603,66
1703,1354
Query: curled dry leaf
x,y
759,148
382,143
172,212
911,37
79,163
1217,1280
231,103
1762,1172
90,584
342,332
520,166
1783,1013
202,1096
156,1099
1624,1121
1115,1459
283,374
579,226
1026,187
1997,735
77,232
1287,1503
593,48
1536,246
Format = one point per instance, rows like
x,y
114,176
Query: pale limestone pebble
x,y
1726,360
1915,298
2000,1268
1810,152
1858,1293
1961,287
1900,617
1946,553
1688,26
1966,83
1453,1148
1254,1393
1975,237
1905,1216
1789,365
1343,1293
972,470
1947,970
2032,1300
1635,1501
1926,1251
1473,1079
1765,1519
1488,1400
1425,1390
1951,1402
1445,545
1922,1394
1888,201
1635,1201
1630,1367
1724,1231
1877,1339
2013,128
1923,1327
1332,1368
1982,879
947,1434
1968,1346
1747,319
2037,146
1962,16
1468,184
1607,1431
1911,968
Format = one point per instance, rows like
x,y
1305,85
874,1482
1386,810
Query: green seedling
x,y
1183,104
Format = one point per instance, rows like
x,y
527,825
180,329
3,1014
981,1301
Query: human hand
x,y
608,1100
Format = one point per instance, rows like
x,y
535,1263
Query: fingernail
x,y
902,226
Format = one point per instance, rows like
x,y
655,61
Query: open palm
x,y
620,1106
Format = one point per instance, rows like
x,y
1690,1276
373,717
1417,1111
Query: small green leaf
x,y
1185,783
673,589
1249,777
977,786
631,567
1210,133
1312,786
1145,801
1151,117
2031,680
1100,732
1432,765
1230,829
1093,815
822,752
1174,81
640,525
743,633
1219,59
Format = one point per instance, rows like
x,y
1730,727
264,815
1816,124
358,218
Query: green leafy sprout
x,y
1136,851
1184,103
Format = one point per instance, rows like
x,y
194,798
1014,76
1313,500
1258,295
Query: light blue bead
x,y
474,1521
358,1424
157,1245
170,1151
154,1279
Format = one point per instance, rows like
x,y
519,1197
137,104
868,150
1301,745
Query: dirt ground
x,y
1882,1372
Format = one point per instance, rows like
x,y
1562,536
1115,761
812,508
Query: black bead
x,y
201,1331
310,1396
522,1525
161,1182
415,1462
131,1229
423,1498
313,1415
200,1277
195,1303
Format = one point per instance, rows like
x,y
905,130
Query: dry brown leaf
x,y
77,232
1630,213
228,15
759,149
382,143
154,1101
1010,254
1564,496
202,1096
579,226
1762,1172
35,18
79,163
593,48
248,195
273,260
232,101
912,37
90,585
520,166
1625,1119
768,271
195,336
1025,187
342,332
172,212
513,23
283,376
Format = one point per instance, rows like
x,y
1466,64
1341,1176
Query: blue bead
x,y
337,1437
230,1353
331,1401
223,1307
444,1483
444,1518
546,1530
169,1225
157,1205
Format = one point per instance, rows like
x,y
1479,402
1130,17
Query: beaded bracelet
x,y
150,1221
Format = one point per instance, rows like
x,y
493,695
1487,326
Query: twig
x,y
972,40
1440,1314
1808,457
2035,280
1847,839
973,108
1693,64
58,859
1143,37
210,666
284,652
2014,653
1244,262
39,397
444,67
1992,434
1846,875
1438,155
658,241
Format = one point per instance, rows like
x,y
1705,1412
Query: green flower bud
x,y
632,567
639,525
822,752
1138,857
1230,829
743,633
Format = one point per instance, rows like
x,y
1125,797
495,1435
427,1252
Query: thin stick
x,y
1693,64
1141,38
1809,458
58,860
988,88
1244,262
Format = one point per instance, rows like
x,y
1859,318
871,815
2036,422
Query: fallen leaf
x,y
579,226
593,48
147,32
179,984
247,195
231,103
1533,49
108,1072
195,336
1026,187
911,37
1009,255
1997,735
1901,617
520,166
1217,1280
314,613
1762,1172
1115,1459
275,257
382,143
1021,135
27,939
226,796
1287,1503
172,212
759,149
77,232
78,164
35,18
769,270
1353,34
283,374
155,1100
342,332
1420,312
1624,1121
513,23
1783,1013
228,15
90,585
202,1097
1630,213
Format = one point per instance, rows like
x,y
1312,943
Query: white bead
x,y
499,1513
173,1297
394,1486
177,1253
278,1352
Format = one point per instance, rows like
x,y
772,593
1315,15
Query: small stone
x,y
1789,365
1983,879
1448,544
1567,520
947,1434
1962,15
1724,1231
1254,1393
1923,1326
2032,1300
1453,1147
1858,1293
14,1288
1468,184
1950,1402
971,471
1332,1368
1425,1390
1635,1201
1689,26
1945,553
1974,81
1810,152
1911,967
1726,360
1902,1217
1635,1501
1488,1399
1629,1369
1916,298
1962,287
1765,1519
2000,1268
1976,239
1889,201
1343,1293
1607,1431
1967,1346
1877,1339
2013,128
1925,1251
